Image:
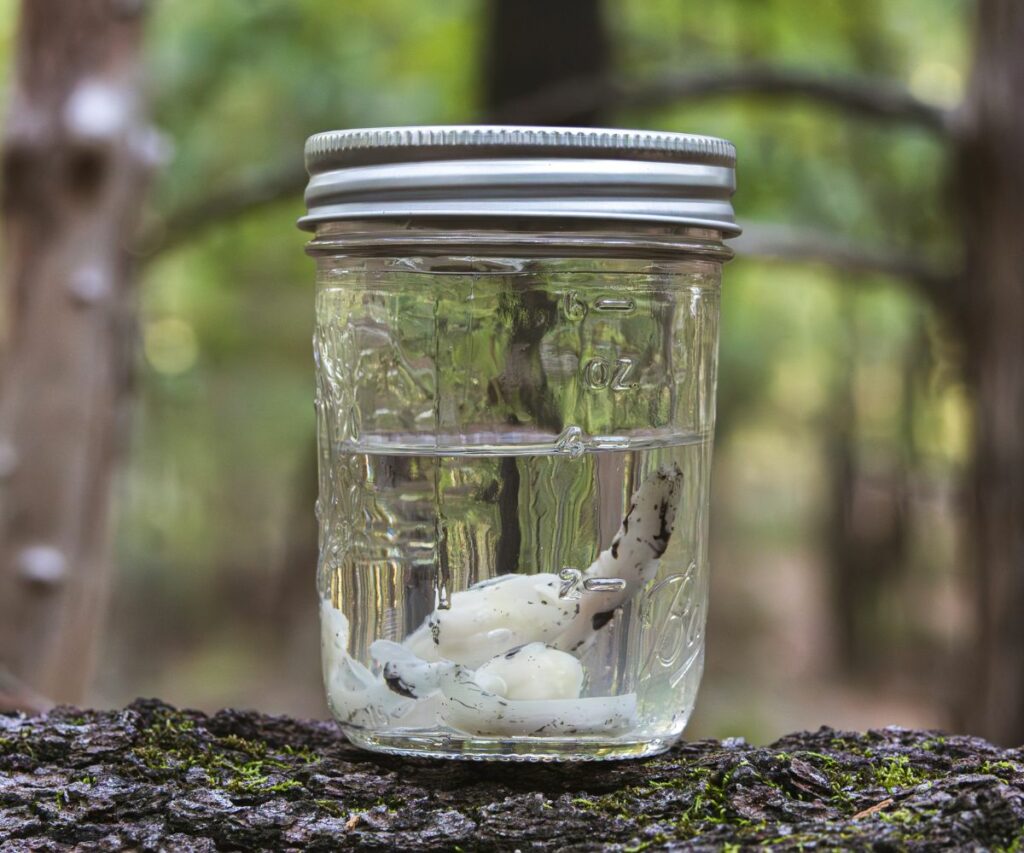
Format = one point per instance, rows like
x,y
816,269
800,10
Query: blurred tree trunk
x,y
867,524
991,186
534,46
530,46
76,155
867,533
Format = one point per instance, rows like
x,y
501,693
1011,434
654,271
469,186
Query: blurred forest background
x,y
867,384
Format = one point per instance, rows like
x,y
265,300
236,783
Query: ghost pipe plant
x,y
487,701
503,659
510,610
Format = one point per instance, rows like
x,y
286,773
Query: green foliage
x,y
223,428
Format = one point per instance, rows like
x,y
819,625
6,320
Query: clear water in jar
x,y
492,605
484,426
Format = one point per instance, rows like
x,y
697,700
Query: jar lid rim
x,y
364,146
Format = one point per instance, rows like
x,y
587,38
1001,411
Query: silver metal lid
x,y
593,173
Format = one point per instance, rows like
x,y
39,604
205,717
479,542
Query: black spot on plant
x,y
396,685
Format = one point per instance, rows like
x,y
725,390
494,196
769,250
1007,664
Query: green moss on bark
x,y
151,777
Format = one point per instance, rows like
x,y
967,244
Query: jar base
x,y
476,748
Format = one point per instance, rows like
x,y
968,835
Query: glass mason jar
x,y
516,344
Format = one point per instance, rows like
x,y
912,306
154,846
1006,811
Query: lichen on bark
x,y
151,777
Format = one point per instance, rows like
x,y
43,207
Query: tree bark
x,y
151,778
75,160
991,185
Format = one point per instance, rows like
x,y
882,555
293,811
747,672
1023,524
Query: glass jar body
x,y
515,436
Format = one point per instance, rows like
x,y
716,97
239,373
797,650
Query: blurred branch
x,y
878,99
789,243
193,217
882,100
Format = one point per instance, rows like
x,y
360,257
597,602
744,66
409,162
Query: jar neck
x,y
530,237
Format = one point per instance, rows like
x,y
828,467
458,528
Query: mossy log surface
x,y
154,778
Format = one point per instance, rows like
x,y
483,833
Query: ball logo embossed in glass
x,y
516,345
